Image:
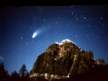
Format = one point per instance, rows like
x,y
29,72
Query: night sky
x,y
25,32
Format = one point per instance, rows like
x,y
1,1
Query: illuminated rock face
x,y
63,60
100,62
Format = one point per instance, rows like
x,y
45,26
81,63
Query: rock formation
x,y
62,60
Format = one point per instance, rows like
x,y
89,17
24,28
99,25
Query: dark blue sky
x,y
87,26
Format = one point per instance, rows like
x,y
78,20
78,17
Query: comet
x,y
35,34
38,32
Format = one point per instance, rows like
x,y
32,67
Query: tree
x,y
14,75
3,73
23,71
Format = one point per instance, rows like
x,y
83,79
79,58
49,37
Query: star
x,y
85,18
87,36
76,18
58,17
89,26
72,13
101,18
101,22
56,22
76,36
1,58
21,38
44,19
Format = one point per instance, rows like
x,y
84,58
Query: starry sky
x,y
26,32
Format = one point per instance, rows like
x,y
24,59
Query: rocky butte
x,y
63,60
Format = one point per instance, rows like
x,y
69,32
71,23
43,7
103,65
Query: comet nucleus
x,y
35,34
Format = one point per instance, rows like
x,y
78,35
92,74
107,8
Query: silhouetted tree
x,y
23,71
3,73
14,74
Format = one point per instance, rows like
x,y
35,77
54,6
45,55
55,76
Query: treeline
x,y
22,75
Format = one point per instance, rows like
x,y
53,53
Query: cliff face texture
x,y
64,59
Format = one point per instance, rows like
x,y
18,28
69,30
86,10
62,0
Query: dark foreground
x,y
100,73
